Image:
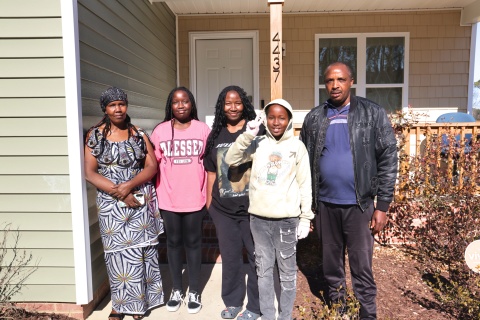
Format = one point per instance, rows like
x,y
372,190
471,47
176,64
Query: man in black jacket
x,y
353,159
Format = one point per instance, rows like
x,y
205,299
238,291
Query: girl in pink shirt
x,y
179,143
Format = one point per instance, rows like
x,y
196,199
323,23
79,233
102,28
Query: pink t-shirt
x,y
181,178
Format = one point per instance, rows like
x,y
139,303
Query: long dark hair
x,y
220,120
168,106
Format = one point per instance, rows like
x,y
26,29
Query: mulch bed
x,y
401,292
21,314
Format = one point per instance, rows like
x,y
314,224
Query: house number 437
x,y
276,54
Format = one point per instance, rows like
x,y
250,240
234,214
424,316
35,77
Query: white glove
x,y
253,126
302,231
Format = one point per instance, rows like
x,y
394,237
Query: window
x,y
379,62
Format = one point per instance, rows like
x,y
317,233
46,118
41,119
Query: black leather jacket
x,y
373,145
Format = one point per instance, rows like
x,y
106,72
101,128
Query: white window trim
x,y
247,34
474,60
360,83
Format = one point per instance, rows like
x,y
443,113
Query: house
x,y
57,56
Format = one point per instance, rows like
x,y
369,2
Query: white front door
x,y
219,63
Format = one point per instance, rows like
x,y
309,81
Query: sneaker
x,y
175,300
194,303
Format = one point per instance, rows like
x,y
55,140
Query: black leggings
x,y
184,230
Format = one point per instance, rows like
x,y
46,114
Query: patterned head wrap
x,y
112,94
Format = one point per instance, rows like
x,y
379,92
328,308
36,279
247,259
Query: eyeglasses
x,y
184,102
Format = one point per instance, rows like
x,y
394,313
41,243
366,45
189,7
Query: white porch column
x,y
78,194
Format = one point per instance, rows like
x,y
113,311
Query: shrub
x,y
320,309
437,215
15,266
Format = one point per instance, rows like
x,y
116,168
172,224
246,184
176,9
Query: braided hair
x,y
220,120
169,111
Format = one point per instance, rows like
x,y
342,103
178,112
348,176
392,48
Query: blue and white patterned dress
x,y
129,235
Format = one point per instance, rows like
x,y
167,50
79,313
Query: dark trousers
x,y
347,227
184,231
233,235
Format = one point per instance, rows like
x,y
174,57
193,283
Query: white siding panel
x,y
32,107
29,8
34,146
34,184
31,28
22,48
31,68
34,165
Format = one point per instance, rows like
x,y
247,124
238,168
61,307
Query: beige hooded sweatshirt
x,y
280,181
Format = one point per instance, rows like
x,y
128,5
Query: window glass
x,y
388,98
385,60
379,62
331,50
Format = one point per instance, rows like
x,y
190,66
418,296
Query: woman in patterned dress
x,y
120,163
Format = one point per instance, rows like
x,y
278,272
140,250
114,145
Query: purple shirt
x,y
337,180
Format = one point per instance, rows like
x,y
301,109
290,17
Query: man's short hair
x,y
350,71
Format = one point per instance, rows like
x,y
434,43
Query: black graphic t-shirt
x,y
230,189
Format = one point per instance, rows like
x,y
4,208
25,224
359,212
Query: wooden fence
x,y
419,138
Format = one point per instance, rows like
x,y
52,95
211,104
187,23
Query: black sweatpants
x,y
184,231
347,227
233,235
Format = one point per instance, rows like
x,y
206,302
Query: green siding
x,y
31,27
34,165
131,45
29,8
39,87
50,127
61,276
52,184
47,293
34,203
32,107
22,48
35,188
42,240
52,258
45,67
33,146
40,221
